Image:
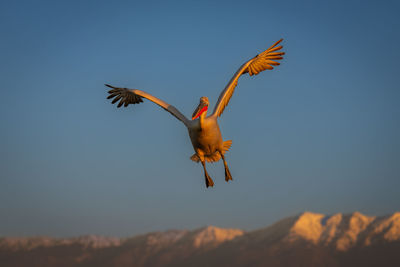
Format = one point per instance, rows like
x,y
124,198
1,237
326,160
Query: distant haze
x,y
320,132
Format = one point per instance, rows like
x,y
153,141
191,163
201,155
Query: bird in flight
x,y
203,130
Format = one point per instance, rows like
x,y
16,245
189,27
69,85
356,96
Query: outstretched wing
x,y
127,96
254,66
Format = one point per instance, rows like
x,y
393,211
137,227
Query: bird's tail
x,y
215,156
227,144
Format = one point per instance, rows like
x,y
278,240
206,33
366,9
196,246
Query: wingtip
x,y
274,46
108,85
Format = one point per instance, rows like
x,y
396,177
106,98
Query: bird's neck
x,y
201,119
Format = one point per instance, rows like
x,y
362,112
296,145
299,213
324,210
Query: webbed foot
x,y
228,175
209,181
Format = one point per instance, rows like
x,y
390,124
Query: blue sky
x,y
318,133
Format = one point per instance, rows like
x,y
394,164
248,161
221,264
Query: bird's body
x,y
204,130
206,138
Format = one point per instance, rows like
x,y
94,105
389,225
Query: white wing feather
x,y
133,96
259,63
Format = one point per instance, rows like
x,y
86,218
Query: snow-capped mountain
x,y
309,239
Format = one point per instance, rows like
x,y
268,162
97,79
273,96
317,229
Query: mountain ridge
x,y
307,236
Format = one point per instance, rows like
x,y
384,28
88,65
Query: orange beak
x,y
200,109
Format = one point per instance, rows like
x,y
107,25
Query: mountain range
x,y
308,239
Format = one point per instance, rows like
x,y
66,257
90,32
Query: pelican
x,y
203,130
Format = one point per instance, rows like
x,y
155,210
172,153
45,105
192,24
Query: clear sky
x,y
318,133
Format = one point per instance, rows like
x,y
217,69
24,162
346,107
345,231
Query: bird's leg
x,y
228,175
209,181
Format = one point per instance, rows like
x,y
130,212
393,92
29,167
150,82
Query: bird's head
x,y
201,108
